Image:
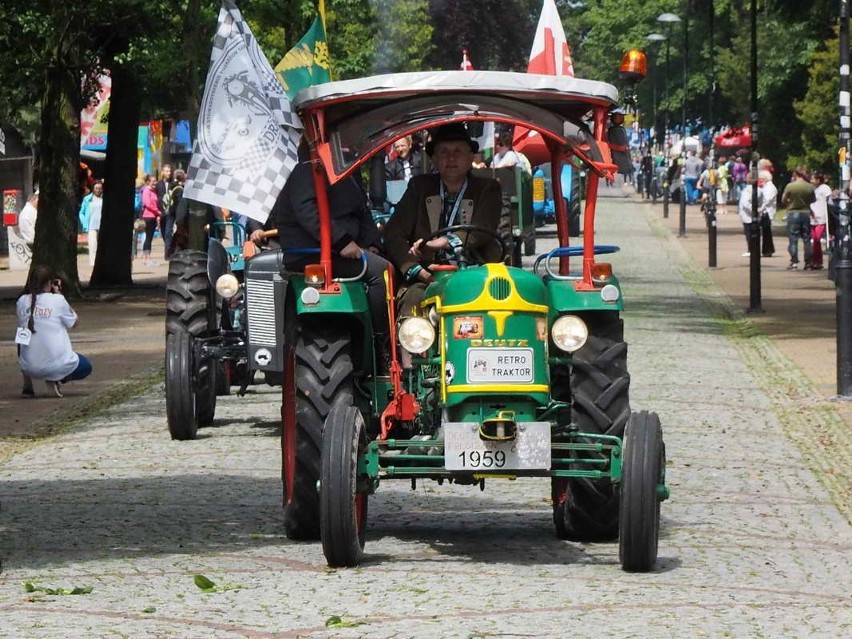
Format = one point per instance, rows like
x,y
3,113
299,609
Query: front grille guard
x,y
394,459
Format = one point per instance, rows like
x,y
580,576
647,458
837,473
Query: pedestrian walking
x,y
163,188
151,215
692,169
90,218
798,196
819,218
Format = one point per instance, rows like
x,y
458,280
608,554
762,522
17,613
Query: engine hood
x,y
487,287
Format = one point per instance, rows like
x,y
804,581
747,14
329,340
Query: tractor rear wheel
x,y
180,396
343,509
189,301
644,464
317,378
586,509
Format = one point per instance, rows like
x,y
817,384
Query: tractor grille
x,y
261,311
499,288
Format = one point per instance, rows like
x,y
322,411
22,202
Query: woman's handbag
x,y
139,225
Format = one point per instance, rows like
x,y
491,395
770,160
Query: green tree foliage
x,y
497,33
817,111
351,38
403,38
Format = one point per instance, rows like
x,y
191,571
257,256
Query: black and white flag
x,y
247,135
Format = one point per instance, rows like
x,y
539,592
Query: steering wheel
x,y
466,254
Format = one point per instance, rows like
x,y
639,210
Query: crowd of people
x,y
805,202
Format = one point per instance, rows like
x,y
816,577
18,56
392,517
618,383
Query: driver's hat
x,y
453,132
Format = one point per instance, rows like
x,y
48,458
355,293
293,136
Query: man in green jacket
x,y
797,197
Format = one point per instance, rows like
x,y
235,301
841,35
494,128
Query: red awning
x,y
734,138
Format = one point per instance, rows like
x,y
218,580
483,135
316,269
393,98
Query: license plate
x,y
496,365
464,450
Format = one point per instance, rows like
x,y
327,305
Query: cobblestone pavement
x,y
753,541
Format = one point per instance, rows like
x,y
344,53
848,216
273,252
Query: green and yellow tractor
x,y
514,372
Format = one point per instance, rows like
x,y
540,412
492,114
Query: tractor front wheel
x,y
180,396
643,472
205,390
343,508
317,377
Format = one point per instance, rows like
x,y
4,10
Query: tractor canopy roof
x,y
352,120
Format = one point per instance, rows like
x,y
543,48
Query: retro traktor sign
x,y
247,134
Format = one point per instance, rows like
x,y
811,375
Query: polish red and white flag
x,y
466,64
550,53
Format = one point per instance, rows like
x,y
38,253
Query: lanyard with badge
x,y
450,219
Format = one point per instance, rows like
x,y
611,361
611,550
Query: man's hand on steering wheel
x,y
434,245
460,248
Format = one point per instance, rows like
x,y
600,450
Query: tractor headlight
x,y
227,286
416,334
569,333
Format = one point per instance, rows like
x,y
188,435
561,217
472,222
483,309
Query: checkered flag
x,y
247,133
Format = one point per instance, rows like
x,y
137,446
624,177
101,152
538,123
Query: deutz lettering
x,y
499,342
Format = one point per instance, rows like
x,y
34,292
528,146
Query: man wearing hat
x,y
439,200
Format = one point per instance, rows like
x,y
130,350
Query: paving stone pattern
x,y
752,544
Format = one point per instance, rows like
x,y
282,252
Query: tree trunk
x,y
194,38
58,174
113,263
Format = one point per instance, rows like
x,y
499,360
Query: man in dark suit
x,y
407,163
439,200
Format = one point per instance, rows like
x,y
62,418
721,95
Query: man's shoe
x,y
807,267
55,388
746,254
27,390
793,266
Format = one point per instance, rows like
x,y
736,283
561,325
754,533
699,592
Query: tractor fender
x,y
565,298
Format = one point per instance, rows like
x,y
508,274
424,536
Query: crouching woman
x,y
44,348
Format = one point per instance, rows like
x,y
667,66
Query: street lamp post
x,y
655,39
842,261
667,19
755,293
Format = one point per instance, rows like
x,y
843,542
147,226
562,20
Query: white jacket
x,y
767,202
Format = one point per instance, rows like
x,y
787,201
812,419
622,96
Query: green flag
x,y
307,63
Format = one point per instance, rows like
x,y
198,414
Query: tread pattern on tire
x,y
180,398
205,392
323,379
644,464
344,436
188,303
600,385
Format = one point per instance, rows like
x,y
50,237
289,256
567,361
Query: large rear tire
x,y
586,509
644,463
318,377
180,396
343,509
189,301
